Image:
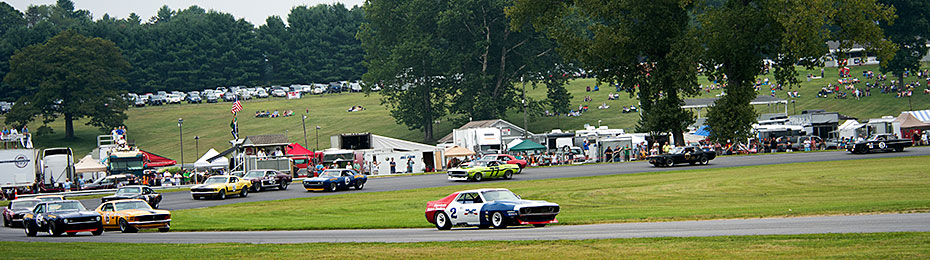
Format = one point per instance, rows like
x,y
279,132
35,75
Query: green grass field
x,y
155,128
818,246
823,188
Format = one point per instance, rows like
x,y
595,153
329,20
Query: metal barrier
x,y
96,192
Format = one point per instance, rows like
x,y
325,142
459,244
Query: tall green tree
x,y
910,32
643,46
70,76
738,35
408,59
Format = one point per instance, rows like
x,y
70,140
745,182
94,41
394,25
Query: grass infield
x,y
817,246
800,189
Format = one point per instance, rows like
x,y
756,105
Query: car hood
x,y
209,186
143,212
19,211
75,214
525,203
320,179
124,196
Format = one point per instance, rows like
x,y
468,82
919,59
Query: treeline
x,y
192,49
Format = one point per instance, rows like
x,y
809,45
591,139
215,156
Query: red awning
x,y
297,149
153,160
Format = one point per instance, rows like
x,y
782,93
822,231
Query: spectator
x,y
393,166
409,165
608,154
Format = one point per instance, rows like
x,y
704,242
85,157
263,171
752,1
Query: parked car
x,y
138,102
482,169
131,215
212,98
264,179
880,142
45,198
244,94
261,93
689,154
141,192
109,182
336,179
57,217
278,93
192,98
158,100
13,213
229,97
220,187
507,159
485,208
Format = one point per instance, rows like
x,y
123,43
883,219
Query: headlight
x,y
98,218
67,220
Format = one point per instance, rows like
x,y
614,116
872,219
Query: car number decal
x,y
882,145
347,181
452,213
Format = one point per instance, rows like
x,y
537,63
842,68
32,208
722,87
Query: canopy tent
x,y
205,162
155,160
88,164
296,149
527,145
458,151
702,131
848,129
910,122
384,142
922,115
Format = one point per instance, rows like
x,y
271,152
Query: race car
x,y
336,179
506,158
221,186
690,154
66,216
50,197
135,192
481,169
485,208
13,213
133,214
263,179
880,142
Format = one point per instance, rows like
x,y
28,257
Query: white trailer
x,y
17,168
56,165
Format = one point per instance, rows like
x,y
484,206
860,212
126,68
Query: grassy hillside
x,y
155,128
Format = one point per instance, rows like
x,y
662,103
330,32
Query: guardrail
x,y
96,192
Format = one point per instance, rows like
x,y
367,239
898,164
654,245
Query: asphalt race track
x,y
183,200
733,227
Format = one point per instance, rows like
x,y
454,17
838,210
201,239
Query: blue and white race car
x,y
485,208
336,179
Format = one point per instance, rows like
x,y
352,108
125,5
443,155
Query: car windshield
x,y
65,206
131,205
877,137
677,150
489,157
128,191
26,204
215,180
255,174
499,195
331,173
479,163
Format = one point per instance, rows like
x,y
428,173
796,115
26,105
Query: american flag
x,y
236,107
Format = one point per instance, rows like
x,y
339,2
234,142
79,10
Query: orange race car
x,y
131,215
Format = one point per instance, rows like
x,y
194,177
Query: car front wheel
x,y
222,194
477,177
332,186
30,231
283,185
497,220
125,227
703,160
669,162
244,192
442,221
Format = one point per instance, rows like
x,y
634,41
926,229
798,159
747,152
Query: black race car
x,y
65,216
135,192
880,142
689,154
13,213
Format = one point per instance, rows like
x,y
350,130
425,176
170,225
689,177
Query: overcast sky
x,y
252,10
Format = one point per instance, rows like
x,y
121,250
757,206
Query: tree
x,y
642,46
738,35
910,32
71,76
406,57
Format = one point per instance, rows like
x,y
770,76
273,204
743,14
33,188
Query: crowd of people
x,y
13,138
274,114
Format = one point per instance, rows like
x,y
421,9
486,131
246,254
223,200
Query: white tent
x,y
88,164
514,142
384,142
848,129
202,163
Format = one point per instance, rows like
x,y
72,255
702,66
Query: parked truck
x,y
55,167
17,168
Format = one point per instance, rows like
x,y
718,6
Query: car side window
x,y
477,198
492,163
504,158
149,191
466,198
108,207
232,180
40,209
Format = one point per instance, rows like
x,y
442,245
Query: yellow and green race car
x,y
221,186
483,169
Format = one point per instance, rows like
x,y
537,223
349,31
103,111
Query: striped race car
x,y
485,208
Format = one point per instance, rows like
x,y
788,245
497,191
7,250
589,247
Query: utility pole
x,y
524,109
317,138
197,145
181,133
303,122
